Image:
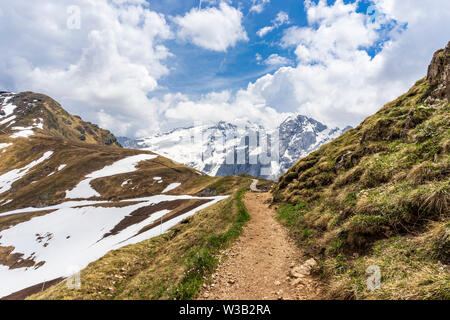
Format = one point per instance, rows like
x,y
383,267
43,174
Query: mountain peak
x,y
28,113
303,122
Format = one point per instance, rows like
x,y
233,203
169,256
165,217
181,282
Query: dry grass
x,y
408,269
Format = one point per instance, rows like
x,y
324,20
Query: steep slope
x,y
377,198
225,149
28,113
68,196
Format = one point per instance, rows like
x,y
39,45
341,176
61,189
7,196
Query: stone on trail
x,y
303,270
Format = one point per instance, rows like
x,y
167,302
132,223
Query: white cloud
x,y
258,5
265,30
110,64
407,56
212,28
336,81
219,106
281,19
277,60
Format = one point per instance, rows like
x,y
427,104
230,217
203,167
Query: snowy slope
x,y
7,179
72,236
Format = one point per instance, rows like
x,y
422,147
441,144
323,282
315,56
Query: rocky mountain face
x,y
376,199
227,149
299,136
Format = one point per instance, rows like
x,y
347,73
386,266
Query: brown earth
x,y
260,264
23,294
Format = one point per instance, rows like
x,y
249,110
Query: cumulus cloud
x,y
213,28
277,60
336,81
219,106
407,55
110,64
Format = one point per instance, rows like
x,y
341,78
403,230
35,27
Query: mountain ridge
x,y
31,111
298,136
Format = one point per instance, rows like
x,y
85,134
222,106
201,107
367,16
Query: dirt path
x,y
260,264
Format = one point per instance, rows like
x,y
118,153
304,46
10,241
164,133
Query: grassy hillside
x,y
171,266
379,195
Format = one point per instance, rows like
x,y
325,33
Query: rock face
x,y
298,136
439,73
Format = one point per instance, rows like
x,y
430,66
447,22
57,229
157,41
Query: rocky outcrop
x,y
439,73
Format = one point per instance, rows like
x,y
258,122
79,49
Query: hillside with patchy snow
x,y
69,193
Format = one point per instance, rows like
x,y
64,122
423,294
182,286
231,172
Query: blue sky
x,y
137,67
235,68
238,66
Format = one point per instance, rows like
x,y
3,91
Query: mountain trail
x,y
264,263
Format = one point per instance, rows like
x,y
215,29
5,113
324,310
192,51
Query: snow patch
x,y
8,108
84,190
7,179
171,187
6,202
125,183
9,119
25,132
5,145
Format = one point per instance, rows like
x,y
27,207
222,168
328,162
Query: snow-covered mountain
x,y
228,149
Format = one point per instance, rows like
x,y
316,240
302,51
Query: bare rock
x,y
303,270
439,73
